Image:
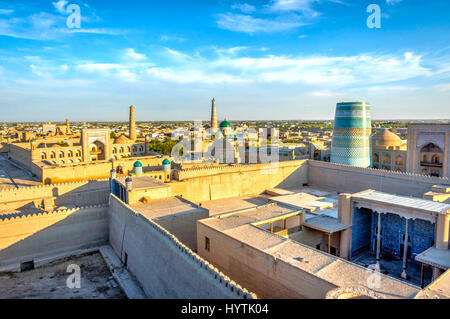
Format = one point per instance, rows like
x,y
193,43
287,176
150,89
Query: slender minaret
x,y
132,124
214,126
67,126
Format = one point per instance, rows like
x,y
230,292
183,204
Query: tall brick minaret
x,y
68,127
214,125
132,124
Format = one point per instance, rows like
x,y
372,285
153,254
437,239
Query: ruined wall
x,y
350,179
25,237
165,267
75,193
253,268
238,180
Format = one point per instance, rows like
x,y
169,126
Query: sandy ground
x,y
49,282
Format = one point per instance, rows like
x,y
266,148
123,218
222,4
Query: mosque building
x,y
388,151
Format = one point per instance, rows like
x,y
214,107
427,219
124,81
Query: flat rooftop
x,y
403,201
143,182
12,175
248,216
166,207
308,202
435,257
228,205
49,282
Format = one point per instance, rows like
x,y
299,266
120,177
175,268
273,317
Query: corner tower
x,y
351,134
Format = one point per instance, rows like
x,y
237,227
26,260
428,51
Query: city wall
x,y
26,237
165,267
82,193
350,179
199,185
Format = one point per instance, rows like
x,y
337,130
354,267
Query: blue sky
x,y
262,59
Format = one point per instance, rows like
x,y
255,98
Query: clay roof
x,y
121,140
386,138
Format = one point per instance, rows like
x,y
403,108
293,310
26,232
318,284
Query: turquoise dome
x,y
225,124
137,164
166,162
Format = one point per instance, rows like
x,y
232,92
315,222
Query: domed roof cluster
x,y
386,138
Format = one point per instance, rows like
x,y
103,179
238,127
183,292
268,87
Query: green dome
x,y
166,162
137,164
224,124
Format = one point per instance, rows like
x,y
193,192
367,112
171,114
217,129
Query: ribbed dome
x,y
121,140
166,162
137,164
386,138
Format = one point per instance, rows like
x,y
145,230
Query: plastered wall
x,y
253,268
354,179
165,267
26,237
74,193
240,180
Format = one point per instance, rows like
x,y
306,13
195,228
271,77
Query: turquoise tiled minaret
x,y
351,136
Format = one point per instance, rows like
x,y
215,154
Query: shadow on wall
x,y
296,178
29,237
84,194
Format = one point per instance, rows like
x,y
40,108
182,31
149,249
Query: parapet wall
x,y
343,178
165,267
81,193
213,183
26,237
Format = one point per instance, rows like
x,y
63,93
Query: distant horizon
x,y
207,121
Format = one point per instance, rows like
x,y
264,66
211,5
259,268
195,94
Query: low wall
x,y
350,179
25,237
165,267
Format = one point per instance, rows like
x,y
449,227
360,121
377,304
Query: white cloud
x,y
443,87
134,55
166,38
44,26
99,67
6,11
244,7
60,6
126,75
303,6
250,25
318,71
392,2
